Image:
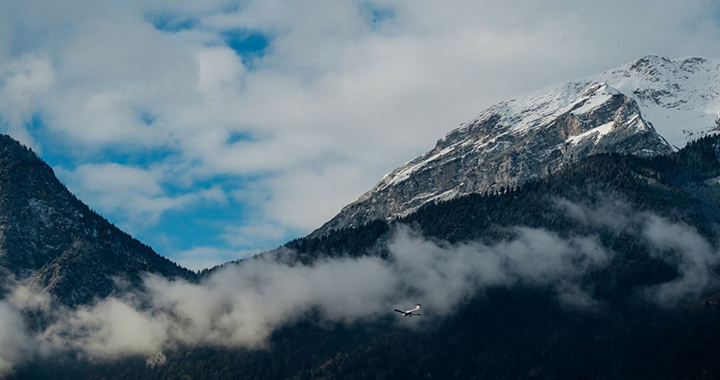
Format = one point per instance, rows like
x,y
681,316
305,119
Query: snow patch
x,y
597,133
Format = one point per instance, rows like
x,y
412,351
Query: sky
x,y
211,130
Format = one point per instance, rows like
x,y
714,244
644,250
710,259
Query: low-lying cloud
x,y
242,305
675,242
694,258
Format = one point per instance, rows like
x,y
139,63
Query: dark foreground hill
x,y
524,330
54,241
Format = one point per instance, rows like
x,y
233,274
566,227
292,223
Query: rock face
x,y
55,242
648,107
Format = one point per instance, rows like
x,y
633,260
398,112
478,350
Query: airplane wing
x,y
399,311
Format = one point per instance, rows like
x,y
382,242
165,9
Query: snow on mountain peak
x,y
681,97
647,107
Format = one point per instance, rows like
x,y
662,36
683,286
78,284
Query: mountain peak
x,y
12,151
55,242
681,97
651,106
656,65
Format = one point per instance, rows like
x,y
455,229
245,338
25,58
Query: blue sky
x,y
212,130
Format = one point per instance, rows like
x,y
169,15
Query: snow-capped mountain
x,y
651,106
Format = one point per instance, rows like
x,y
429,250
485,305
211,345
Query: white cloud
x,y
254,234
135,193
334,102
109,329
203,257
13,340
22,82
242,305
694,257
674,242
303,198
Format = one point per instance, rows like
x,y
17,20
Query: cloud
x,y
256,233
674,242
335,90
444,275
694,257
139,193
242,305
609,213
23,83
17,344
109,329
13,340
293,204
199,258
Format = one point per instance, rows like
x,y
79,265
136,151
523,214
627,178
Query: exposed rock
x,y
531,136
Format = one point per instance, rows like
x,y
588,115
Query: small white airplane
x,y
411,312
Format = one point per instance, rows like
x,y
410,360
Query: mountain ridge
x,y
532,135
56,243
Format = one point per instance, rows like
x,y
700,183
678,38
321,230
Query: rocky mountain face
x,y
649,107
53,241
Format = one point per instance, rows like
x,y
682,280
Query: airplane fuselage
x,y
409,313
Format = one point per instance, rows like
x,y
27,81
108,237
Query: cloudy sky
x,y
214,129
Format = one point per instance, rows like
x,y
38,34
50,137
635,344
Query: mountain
x,y
50,239
648,107
516,331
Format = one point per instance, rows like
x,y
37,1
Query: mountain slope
x,y
633,109
684,185
53,241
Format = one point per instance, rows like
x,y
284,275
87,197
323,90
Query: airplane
x,y
411,312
